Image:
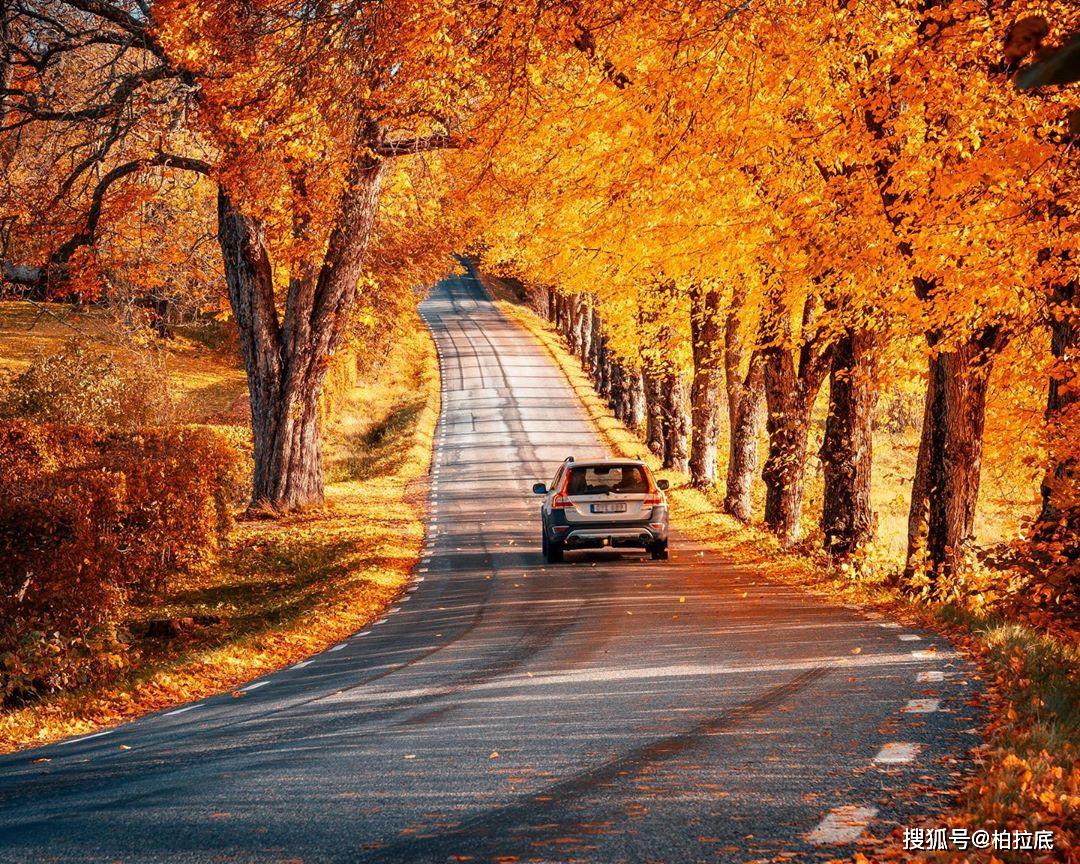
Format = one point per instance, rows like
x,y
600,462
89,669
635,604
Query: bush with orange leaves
x,y
89,520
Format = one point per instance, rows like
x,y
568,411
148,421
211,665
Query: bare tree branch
x,y
421,144
31,276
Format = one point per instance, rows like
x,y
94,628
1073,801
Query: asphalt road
x,y
611,708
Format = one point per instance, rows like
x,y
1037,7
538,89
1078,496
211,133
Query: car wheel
x,y
554,552
659,551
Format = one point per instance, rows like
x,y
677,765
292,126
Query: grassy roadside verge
x,y
1027,774
284,589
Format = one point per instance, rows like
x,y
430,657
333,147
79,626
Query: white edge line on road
x,y
930,675
86,737
181,711
910,637
921,706
897,753
841,825
889,625
925,655
254,686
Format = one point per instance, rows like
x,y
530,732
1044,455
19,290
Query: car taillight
x,y
561,502
653,499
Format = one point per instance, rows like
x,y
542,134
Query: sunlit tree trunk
x,y
744,396
847,517
791,385
1060,507
946,485
286,360
675,424
585,353
573,323
708,353
654,412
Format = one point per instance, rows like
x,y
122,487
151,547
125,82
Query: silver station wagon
x,y
603,502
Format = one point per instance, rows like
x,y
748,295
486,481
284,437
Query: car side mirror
x,y
662,485
539,489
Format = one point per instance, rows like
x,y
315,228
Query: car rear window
x,y
602,479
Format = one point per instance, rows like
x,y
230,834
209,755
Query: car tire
x,y
659,551
553,551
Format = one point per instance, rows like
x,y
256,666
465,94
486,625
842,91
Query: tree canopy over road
x,y
737,202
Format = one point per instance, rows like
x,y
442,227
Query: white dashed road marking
x,y
897,753
335,648
254,686
87,737
180,710
909,637
921,706
303,664
930,675
842,825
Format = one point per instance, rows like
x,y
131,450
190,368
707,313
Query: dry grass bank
x,y
284,589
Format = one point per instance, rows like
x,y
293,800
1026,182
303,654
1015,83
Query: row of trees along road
x,y
784,195
769,195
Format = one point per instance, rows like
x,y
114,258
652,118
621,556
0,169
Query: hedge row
x,y
91,519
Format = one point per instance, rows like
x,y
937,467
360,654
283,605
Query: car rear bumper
x,y
586,535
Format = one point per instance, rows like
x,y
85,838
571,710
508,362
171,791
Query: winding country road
x,y
610,709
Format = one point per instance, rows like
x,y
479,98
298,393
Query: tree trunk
x,y
790,391
654,424
615,389
595,341
847,518
286,362
673,420
788,425
1060,501
946,485
587,326
573,319
744,396
706,387
603,369
636,413
7,140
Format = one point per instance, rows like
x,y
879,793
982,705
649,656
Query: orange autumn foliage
x,y
89,520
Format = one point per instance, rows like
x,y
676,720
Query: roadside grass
x,y
204,376
283,589
1027,774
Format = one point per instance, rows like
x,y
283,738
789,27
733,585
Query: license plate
x,y
609,507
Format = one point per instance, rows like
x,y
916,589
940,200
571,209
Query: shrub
x,y
90,519
80,384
